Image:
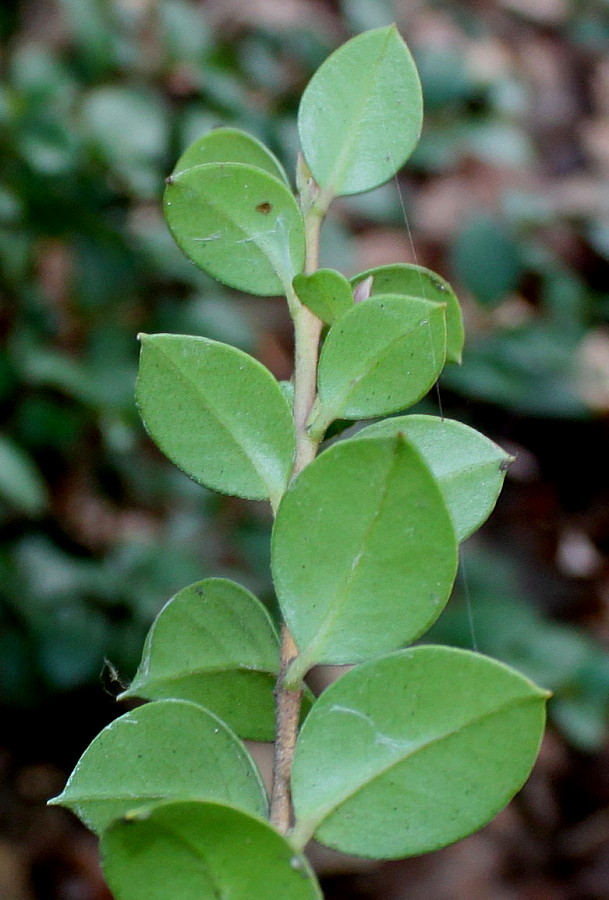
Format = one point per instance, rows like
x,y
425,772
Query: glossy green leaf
x,y
326,292
416,281
162,750
380,357
363,552
214,643
360,116
468,467
237,223
217,413
439,740
202,851
224,145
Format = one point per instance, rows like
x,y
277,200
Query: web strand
x,y
422,282
462,564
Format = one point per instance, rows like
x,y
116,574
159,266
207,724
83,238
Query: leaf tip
x,y
506,463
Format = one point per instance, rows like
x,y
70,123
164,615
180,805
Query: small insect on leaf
x,y
264,208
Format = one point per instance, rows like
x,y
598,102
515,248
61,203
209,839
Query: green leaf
x,y
214,643
239,224
21,483
326,292
361,114
163,750
202,851
217,413
224,145
439,740
380,357
468,467
416,281
363,552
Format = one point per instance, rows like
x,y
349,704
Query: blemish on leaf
x,y
264,208
437,283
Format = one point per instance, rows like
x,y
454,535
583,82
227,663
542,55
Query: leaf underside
x,y
202,851
162,750
361,114
365,586
214,643
438,740
239,224
217,413
417,281
468,467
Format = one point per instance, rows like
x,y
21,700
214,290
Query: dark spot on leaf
x,y
264,208
437,283
169,179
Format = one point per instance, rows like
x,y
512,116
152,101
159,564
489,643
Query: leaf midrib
x,y
374,361
265,247
342,591
313,823
337,174
195,851
152,681
243,450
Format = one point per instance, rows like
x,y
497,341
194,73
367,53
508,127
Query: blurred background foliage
x,y
506,196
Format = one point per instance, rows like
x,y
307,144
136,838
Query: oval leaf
x,y
326,292
222,145
416,281
237,223
214,643
202,851
360,116
217,413
167,749
469,468
380,357
439,740
363,552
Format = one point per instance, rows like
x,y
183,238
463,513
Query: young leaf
x,y
360,116
416,281
167,749
237,223
468,467
217,413
326,292
439,740
214,643
380,357
202,851
363,552
223,145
